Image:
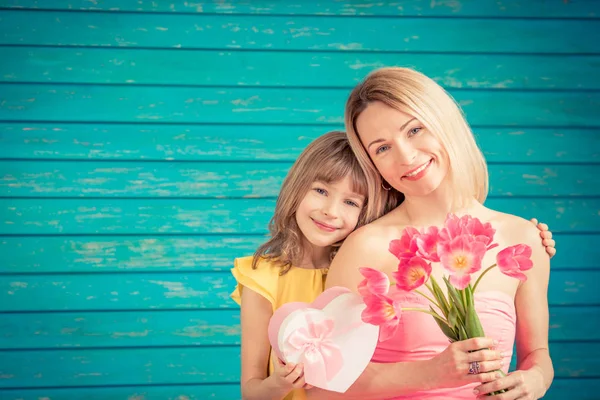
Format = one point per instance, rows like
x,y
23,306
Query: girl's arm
x,y
449,369
256,312
534,367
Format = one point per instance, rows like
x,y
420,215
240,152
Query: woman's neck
x,y
434,208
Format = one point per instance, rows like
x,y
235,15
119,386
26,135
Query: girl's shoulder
x,y
263,279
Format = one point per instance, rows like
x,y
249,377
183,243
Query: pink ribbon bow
x,y
322,358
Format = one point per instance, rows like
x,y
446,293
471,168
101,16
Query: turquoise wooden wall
x,y
142,145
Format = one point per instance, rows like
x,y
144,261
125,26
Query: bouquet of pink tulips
x,y
460,247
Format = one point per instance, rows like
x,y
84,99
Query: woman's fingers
x,y
483,377
484,355
477,344
490,366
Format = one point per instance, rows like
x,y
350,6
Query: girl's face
x,y
406,154
329,212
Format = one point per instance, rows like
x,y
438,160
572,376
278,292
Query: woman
x,y
422,161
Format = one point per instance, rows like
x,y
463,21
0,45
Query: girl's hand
x,y
522,385
546,236
464,362
288,376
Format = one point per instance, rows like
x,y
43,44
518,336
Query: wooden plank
x,y
194,328
40,255
220,216
128,329
259,142
130,216
181,366
232,179
194,291
155,254
543,180
223,391
562,36
470,8
229,68
191,179
78,103
120,367
562,388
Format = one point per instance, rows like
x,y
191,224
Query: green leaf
x,y
446,329
441,297
473,325
469,293
455,297
462,334
453,317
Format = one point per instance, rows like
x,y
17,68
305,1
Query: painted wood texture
x,y
465,8
331,69
306,33
143,143
34,102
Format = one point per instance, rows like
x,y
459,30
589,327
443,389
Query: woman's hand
x,y
464,362
522,385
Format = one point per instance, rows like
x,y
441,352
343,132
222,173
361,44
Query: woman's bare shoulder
x,y
515,228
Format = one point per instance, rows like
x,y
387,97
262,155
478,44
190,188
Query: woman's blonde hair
x,y
411,92
327,159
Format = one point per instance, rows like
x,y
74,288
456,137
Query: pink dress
x,y
419,337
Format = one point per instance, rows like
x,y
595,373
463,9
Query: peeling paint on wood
x,y
136,312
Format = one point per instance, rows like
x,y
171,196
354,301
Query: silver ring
x,y
474,368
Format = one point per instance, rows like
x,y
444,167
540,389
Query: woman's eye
x,y
382,149
320,191
414,131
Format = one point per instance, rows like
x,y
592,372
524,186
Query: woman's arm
x,y
534,367
367,248
256,311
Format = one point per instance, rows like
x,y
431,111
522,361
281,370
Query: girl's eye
x,y
320,191
381,149
351,203
414,131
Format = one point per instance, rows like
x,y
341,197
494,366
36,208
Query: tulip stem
x,y
481,276
426,312
428,298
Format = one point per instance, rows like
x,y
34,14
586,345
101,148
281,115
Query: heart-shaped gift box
x,y
328,336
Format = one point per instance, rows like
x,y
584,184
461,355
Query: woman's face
x,y
405,153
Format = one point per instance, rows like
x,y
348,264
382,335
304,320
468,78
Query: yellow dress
x,y
298,284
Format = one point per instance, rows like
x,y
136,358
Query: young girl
x,y
322,200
